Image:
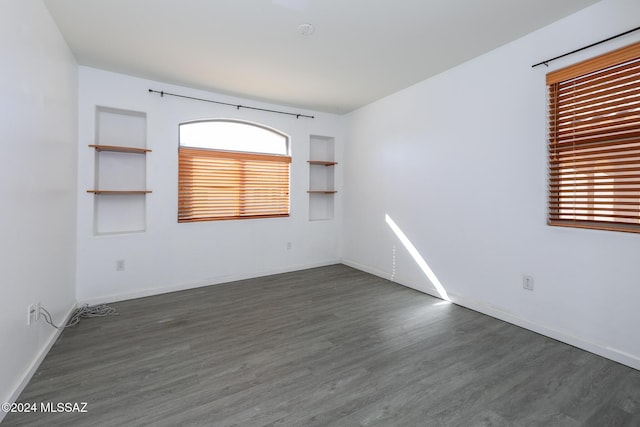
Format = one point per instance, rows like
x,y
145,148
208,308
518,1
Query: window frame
x,y
594,161
232,184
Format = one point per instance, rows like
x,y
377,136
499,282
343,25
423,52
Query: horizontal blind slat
x,y
594,142
224,185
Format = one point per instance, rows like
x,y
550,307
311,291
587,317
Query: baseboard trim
x,y
367,269
564,336
105,299
35,364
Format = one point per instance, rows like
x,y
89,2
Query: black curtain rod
x,y
546,62
238,106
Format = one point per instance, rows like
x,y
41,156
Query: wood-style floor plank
x,y
330,346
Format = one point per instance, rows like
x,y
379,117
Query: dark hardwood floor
x,y
329,346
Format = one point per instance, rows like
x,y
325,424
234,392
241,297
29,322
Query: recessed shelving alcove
x,y
120,171
321,177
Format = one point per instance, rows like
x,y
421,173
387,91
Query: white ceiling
x,y
361,51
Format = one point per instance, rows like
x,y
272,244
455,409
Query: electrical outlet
x,y
527,282
288,245
120,265
33,313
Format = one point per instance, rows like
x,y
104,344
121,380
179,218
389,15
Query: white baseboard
x,y
564,336
105,299
35,364
367,269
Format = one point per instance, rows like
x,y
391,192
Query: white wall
x,y
38,122
459,163
169,255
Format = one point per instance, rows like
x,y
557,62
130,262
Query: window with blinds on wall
x,y
232,170
594,142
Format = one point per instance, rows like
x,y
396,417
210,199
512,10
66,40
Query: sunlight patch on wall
x,y
415,254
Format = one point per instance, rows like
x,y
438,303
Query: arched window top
x,y
233,135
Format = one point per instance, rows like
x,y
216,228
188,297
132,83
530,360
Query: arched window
x,y
232,170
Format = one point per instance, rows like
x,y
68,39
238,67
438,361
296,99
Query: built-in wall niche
x,y
322,184
120,171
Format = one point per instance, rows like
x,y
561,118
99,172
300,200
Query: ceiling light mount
x,y
306,29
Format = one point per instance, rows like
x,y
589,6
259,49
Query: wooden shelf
x,y
114,192
321,162
322,174
118,149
